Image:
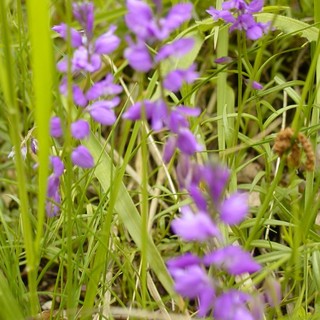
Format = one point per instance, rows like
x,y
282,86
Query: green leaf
x,y
127,212
290,25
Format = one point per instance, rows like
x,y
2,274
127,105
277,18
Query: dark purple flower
x,y
76,38
77,94
53,203
140,20
193,282
34,145
216,177
57,166
107,42
178,48
178,118
187,142
232,305
83,60
194,227
223,60
101,112
55,127
174,79
176,16
169,149
103,88
138,57
240,15
154,111
255,6
238,5
234,209
224,15
82,157
80,129
84,14
186,260
198,197
233,259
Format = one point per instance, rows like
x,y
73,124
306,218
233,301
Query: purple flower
x,y
82,157
187,142
194,227
52,206
223,60
177,48
53,203
77,94
138,57
80,129
174,79
55,127
84,14
240,15
103,88
154,111
234,209
176,16
178,117
76,38
34,145
169,149
140,20
233,259
83,60
107,42
193,282
57,166
216,178
102,113
186,260
232,305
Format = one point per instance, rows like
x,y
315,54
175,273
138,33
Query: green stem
x,y
9,89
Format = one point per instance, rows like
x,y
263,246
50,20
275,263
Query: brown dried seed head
x,y
283,143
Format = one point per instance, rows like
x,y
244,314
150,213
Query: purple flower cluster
x,y
240,15
53,192
148,29
189,271
98,100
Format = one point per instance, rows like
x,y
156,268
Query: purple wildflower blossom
x,y
103,88
234,209
85,16
76,37
177,48
101,112
80,129
107,42
78,96
194,227
174,79
186,260
138,57
240,15
53,193
55,127
232,305
187,142
193,282
82,157
234,259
